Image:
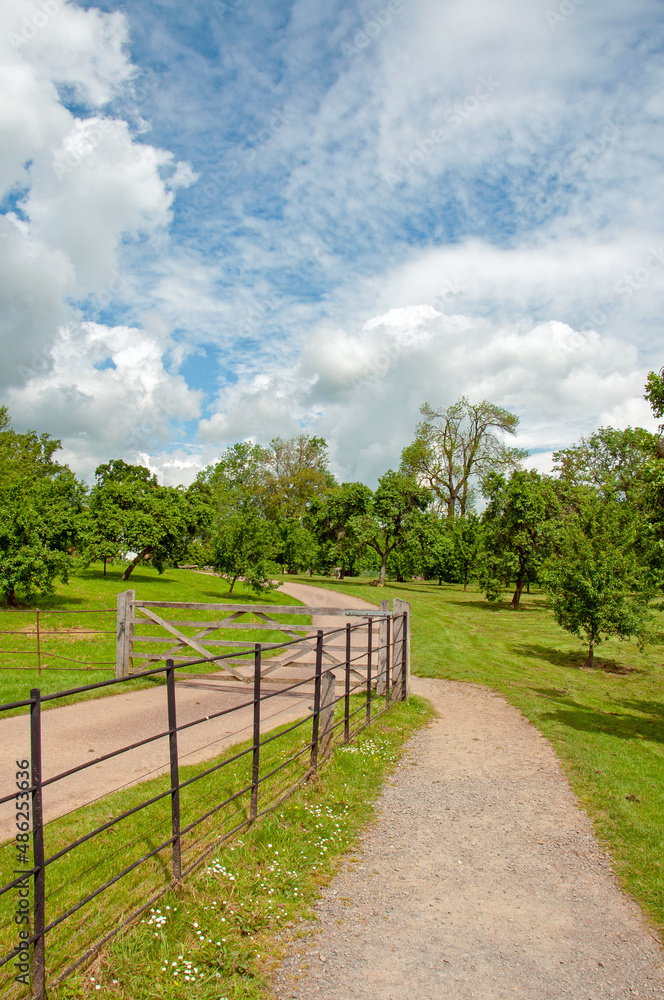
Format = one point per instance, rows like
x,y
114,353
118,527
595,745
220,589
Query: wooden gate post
x,y
382,650
400,607
124,632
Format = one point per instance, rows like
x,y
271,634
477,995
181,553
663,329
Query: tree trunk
x,y
465,582
440,581
230,589
383,567
591,653
514,603
11,597
134,563
528,587
104,565
342,573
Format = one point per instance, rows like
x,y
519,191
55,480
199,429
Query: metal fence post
x,y
326,713
381,678
39,903
256,757
124,631
388,661
313,763
38,642
404,659
175,770
369,647
403,608
347,687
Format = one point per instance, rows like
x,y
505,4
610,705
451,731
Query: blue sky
x,y
243,219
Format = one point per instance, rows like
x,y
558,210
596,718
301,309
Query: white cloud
x,y
99,186
108,395
362,390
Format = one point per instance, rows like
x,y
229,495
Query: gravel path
x,y
481,877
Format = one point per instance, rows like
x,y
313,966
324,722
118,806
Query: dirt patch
x,y
480,878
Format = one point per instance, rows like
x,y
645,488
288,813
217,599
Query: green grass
x,y
606,724
90,591
228,917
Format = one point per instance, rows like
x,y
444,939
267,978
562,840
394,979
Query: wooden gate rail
x,y
131,613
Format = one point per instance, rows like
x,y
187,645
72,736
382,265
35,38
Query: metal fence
x,y
46,862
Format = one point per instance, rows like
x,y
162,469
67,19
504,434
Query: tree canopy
x,y
612,462
516,524
455,449
599,586
41,505
130,512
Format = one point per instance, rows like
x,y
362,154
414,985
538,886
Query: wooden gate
x,y
146,627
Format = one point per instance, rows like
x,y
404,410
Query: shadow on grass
x,y
57,602
622,724
571,661
479,604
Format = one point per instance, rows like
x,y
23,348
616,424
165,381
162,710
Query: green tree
x,y
245,545
598,585
612,462
28,455
331,518
389,517
456,448
516,525
130,511
298,550
437,548
655,392
655,395
41,504
293,473
466,539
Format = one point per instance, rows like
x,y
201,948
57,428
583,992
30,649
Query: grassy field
x,y
68,633
606,724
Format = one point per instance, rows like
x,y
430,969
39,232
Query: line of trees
x,y
592,533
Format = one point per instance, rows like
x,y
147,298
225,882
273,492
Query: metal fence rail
x,y
34,886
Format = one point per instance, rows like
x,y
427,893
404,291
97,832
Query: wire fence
x,y
31,638
72,884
